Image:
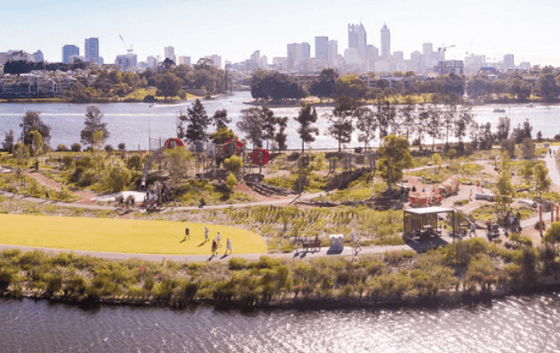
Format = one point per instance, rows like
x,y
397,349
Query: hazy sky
x,y
234,29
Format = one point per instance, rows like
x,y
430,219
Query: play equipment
x,y
170,143
449,186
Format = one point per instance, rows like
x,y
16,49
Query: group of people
x,y
512,223
216,242
156,198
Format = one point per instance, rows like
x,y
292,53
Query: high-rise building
x,y
169,53
185,60
332,59
372,56
385,42
255,56
216,60
509,63
357,38
69,51
91,50
127,61
427,49
298,53
322,48
398,56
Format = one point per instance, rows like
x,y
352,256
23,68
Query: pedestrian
x,y
358,246
47,194
17,189
473,229
219,237
214,246
187,232
228,248
205,234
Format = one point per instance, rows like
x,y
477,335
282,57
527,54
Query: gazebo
x,y
423,221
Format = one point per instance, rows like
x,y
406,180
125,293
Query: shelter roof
x,y
429,210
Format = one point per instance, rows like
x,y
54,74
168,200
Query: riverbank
x,y
466,271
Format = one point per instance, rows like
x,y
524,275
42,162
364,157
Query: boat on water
x,y
497,110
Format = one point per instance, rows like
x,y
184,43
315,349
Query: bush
x,y
109,148
61,148
231,181
236,263
76,147
233,164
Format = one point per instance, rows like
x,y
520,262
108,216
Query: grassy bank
x,y
458,272
120,235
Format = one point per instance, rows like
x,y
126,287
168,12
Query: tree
x,y
433,124
269,124
394,156
233,164
547,88
134,162
503,127
76,147
31,121
366,124
275,85
37,145
385,115
98,139
306,118
92,124
350,86
231,181
197,123
527,129
341,120
176,161
528,148
21,153
121,146
168,85
8,143
281,136
223,134
542,181
504,187
552,234
220,119
251,125
324,86
116,177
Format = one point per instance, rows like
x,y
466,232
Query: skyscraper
x,y
385,42
509,63
357,38
298,53
333,53
91,50
322,48
169,53
68,52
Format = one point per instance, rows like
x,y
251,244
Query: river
x,y
512,324
134,123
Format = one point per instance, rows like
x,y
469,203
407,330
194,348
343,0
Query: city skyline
x,y
235,30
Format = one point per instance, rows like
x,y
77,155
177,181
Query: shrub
x,y
236,263
61,148
6,278
231,181
233,164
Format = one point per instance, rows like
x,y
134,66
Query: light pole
x,y
149,127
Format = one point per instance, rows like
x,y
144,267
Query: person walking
x,y
187,232
214,246
219,238
205,234
473,229
47,195
228,247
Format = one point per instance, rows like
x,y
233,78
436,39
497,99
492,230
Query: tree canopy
x,y
394,156
93,123
306,118
30,122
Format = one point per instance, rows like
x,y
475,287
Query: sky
x,y
235,29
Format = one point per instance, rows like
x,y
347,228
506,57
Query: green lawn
x,y
122,235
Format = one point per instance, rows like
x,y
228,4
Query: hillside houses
x,y
42,83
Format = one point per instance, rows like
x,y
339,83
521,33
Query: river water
x,y
513,324
134,123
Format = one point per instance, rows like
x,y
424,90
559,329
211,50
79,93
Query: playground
x,y
123,235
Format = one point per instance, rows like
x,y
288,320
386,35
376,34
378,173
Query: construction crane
x,y
444,48
129,50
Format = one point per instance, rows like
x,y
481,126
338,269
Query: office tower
x,y
357,38
509,62
427,49
91,50
385,42
216,61
169,53
333,53
151,62
185,60
298,53
322,48
255,56
127,61
68,52
398,56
